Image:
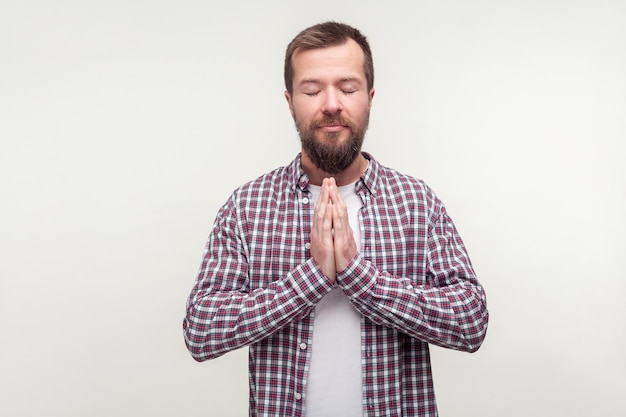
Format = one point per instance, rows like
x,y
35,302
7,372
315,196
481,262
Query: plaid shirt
x,y
412,282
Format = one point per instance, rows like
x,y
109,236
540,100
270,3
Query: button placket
x,y
305,200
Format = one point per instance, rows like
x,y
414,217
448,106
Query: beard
x,y
328,154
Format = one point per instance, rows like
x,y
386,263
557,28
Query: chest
x,y
277,237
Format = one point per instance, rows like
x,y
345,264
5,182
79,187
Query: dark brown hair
x,y
324,35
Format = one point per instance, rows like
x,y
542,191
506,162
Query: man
x,y
336,271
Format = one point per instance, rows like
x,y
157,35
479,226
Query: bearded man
x,y
336,271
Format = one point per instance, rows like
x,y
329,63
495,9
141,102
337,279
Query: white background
x,y
124,125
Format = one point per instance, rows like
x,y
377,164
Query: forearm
x,y
453,316
220,321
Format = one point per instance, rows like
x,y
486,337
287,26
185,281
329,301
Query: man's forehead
x,y
347,57
347,45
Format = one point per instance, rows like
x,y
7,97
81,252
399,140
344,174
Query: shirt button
x,y
302,346
298,396
305,200
307,245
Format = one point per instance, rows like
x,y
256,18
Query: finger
x,y
340,209
322,203
323,218
345,247
322,249
323,191
341,221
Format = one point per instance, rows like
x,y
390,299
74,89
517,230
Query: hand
x,y
345,247
322,247
332,242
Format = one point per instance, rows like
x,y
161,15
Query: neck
x,y
345,177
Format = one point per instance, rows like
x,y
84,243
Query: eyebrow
x,y
318,81
309,81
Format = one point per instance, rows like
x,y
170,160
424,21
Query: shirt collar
x,y
369,179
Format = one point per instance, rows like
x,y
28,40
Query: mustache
x,y
331,120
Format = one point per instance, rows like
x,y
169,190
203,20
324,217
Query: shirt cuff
x,y
310,283
358,278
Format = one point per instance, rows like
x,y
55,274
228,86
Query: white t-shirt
x,y
334,383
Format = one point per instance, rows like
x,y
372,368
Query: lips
x,y
332,127
332,124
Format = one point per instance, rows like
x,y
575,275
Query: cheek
x,y
298,120
362,112
302,114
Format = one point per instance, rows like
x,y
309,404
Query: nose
x,y
332,103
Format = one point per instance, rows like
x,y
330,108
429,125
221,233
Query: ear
x,y
372,92
289,102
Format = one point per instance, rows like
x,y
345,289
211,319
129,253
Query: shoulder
x,y
264,190
272,183
254,198
400,185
